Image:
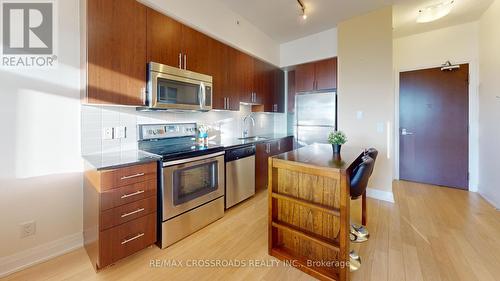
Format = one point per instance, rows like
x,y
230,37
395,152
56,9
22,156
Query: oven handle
x,y
182,161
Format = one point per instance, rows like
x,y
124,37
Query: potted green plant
x,y
337,139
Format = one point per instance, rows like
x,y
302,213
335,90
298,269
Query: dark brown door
x,y
434,126
326,74
304,77
116,52
164,39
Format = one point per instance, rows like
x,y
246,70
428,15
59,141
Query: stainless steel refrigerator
x,y
315,117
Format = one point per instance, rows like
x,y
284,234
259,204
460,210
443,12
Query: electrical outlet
x,y
120,132
27,229
107,133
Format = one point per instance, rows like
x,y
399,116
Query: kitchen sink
x,y
255,138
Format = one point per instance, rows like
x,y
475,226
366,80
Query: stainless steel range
x,y
192,182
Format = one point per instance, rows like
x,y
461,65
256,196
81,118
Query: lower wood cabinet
x,y
120,212
263,152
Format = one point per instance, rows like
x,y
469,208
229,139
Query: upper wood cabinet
x,y
124,35
263,84
291,91
241,76
279,91
164,39
116,52
316,76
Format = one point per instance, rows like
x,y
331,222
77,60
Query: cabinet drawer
x,y
126,239
128,175
125,213
127,194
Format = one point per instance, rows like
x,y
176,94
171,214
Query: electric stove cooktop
x,y
173,141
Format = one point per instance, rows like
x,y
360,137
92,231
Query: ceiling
x,y
404,15
280,19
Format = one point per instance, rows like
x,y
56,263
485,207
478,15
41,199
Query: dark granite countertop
x,y
262,138
113,160
321,155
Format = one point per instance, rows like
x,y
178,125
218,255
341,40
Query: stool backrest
x,y
360,176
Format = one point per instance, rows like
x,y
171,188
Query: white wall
x,y
40,146
366,84
489,104
458,44
215,19
314,47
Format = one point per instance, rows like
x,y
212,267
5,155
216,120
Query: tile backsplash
x,y
224,125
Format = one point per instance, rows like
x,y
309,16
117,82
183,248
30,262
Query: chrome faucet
x,y
244,132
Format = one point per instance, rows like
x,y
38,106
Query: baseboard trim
x,y
491,202
39,254
380,194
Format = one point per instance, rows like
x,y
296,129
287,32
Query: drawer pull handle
x,y
132,194
132,176
132,239
132,213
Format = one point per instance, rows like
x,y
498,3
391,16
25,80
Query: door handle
x,y
185,61
180,60
405,132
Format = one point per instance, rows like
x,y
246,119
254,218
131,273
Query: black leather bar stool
x,y
359,182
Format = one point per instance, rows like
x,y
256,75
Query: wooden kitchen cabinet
x,y
279,91
304,77
241,77
316,76
115,38
291,91
263,83
164,39
263,152
119,212
326,74
197,54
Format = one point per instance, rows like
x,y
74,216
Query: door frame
x,y
473,119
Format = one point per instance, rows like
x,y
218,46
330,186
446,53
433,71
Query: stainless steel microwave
x,y
175,88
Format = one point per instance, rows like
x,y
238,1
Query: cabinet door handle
x,y
133,238
185,61
228,103
132,194
180,60
132,213
279,146
225,103
132,176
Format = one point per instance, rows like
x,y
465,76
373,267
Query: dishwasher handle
x,y
239,153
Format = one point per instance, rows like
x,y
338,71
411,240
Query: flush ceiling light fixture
x,y
303,8
434,12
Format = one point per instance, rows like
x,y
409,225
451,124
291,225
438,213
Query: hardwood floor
x,y
430,233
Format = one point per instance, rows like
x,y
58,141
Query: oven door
x,y
174,92
189,183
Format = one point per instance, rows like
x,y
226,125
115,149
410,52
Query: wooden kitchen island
x,y
309,209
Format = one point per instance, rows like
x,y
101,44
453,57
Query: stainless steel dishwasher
x,y
240,174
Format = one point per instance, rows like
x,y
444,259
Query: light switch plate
x,y
107,133
120,132
359,115
380,127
